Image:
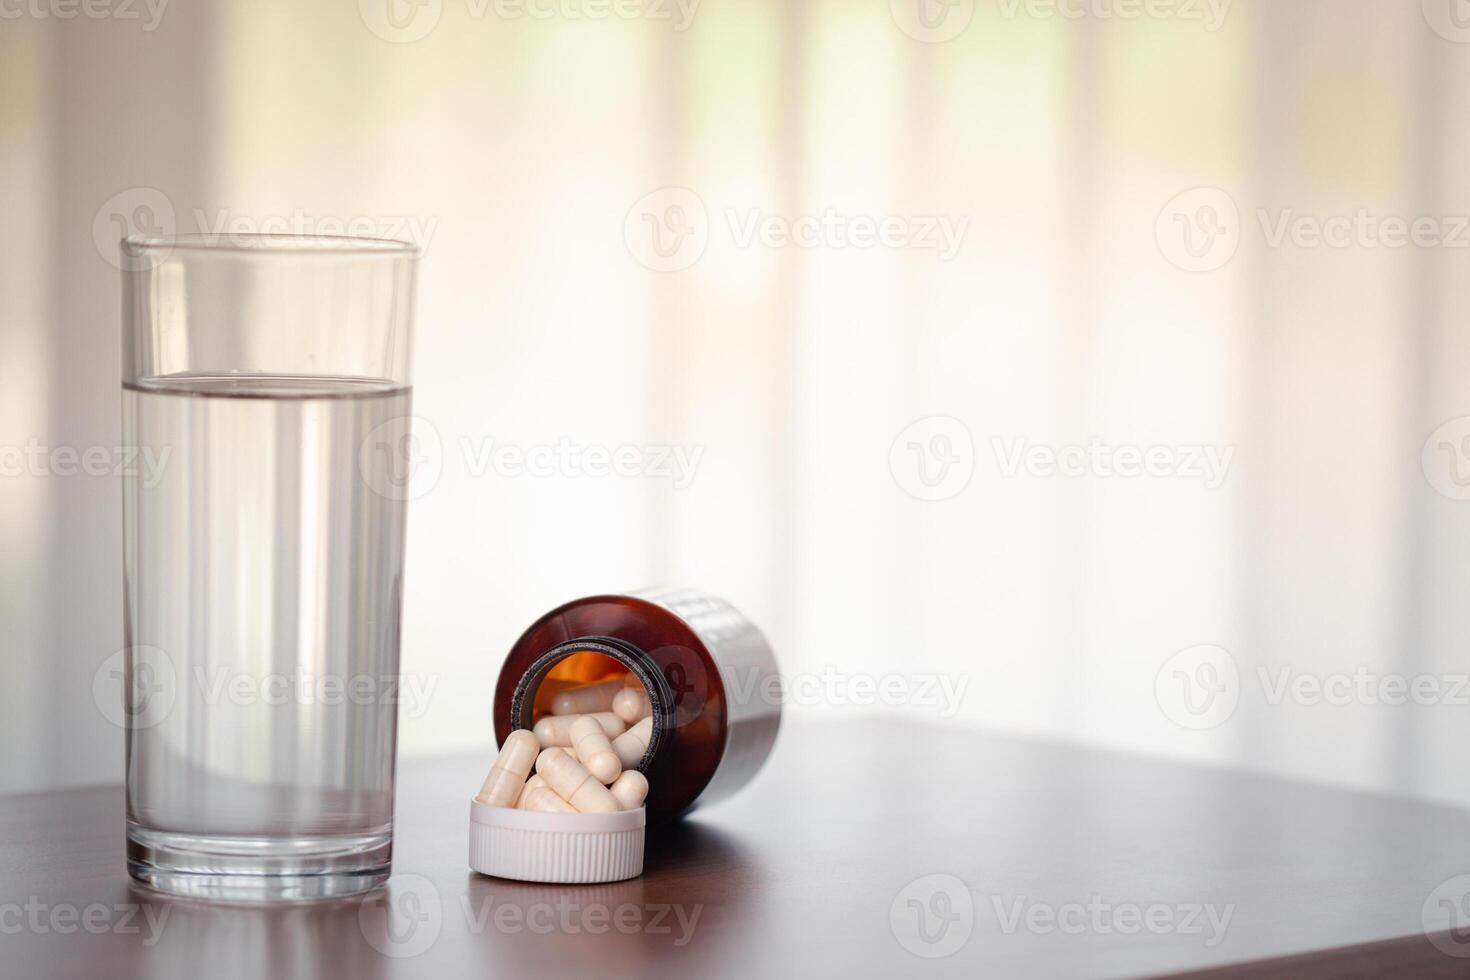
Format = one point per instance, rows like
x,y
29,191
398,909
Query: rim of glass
x,y
258,243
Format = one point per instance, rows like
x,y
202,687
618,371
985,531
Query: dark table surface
x,y
864,849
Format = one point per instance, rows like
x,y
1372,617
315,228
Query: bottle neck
x,y
631,656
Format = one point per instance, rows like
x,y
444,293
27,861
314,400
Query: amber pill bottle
x,y
709,673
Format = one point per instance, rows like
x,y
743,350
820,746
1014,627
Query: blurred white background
x,y
863,271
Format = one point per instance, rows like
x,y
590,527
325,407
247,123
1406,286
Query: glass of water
x,y
267,377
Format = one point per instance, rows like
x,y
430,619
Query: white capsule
x,y
631,745
557,729
531,784
630,790
632,704
594,749
587,699
542,799
512,766
570,780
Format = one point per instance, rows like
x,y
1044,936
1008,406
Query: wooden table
x,y
864,849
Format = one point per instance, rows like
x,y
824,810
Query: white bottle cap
x,y
558,848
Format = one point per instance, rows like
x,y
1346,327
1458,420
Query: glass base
x,y
259,869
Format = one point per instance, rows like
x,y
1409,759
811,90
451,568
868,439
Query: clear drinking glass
x,y
268,376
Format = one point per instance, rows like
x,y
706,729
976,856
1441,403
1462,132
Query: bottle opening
x,y
577,670
570,667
